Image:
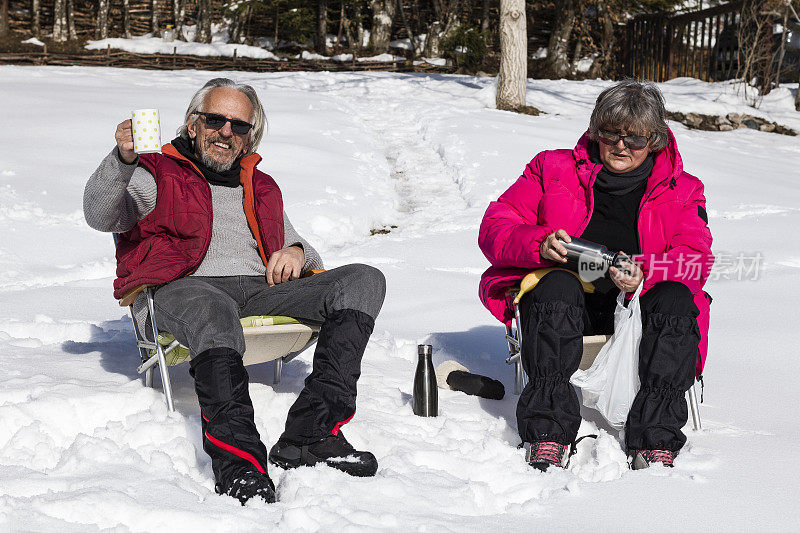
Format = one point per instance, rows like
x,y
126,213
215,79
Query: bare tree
x,y
126,18
797,95
71,31
60,31
203,34
359,29
178,13
557,57
513,55
275,42
341,28
755,49
239,18
383,12
36,18
485,16
154,24
322,27
101,32
446,22
415,44
603,63
354,40
3,18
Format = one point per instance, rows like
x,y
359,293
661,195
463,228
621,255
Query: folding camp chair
x,y
267,338
591,344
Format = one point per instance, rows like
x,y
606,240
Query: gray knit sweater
x,y
118,195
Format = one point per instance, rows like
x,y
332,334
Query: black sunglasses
x,y
634,142
215,121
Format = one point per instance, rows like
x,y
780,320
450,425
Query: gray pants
x,y
203,312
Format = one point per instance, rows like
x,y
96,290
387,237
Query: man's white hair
x,y
259,119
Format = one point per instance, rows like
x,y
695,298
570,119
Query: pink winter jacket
x,y
555,191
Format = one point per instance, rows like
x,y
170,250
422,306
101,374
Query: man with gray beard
x,y
202,223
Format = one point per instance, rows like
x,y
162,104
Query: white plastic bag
x,y
611,383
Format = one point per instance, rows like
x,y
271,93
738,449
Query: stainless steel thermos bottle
x,y
426,394
586,255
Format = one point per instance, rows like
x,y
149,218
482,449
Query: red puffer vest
x,y
172,240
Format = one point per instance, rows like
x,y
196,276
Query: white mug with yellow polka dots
x,y
146,131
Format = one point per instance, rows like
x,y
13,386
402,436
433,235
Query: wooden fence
x,y
701,44
116,58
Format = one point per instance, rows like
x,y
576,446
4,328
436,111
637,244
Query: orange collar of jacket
x,y
248,164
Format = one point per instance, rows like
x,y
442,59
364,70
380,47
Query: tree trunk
x,y
101,32
341,28
415,51
36,20
275,43
359,45
60,32
604,63
3,18
783,48
178,13
452,18
322,27
557,61
450,14
126,18
513,55
71,32
203,34
246,20
348,33
238,24
485,16
433,40
576,55
234,30
797,94
155,26
383,12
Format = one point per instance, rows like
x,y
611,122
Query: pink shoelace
x,y
658,456
549,452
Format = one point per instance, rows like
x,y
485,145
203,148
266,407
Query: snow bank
x,y
33,40
156,45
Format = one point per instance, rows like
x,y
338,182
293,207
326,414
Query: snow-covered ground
x,y
84,446
218,47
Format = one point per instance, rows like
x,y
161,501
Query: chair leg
x,y
165,382
162,360
148,377
694,407
278,370
520,379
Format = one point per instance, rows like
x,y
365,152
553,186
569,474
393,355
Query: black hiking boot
x,y
333,451
250,484
640,459
543,455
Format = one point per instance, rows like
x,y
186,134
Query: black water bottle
x,y
426,395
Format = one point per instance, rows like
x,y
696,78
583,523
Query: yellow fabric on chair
x,y
254,321
532,279
180,353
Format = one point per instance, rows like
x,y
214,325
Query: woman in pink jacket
x,y
623,186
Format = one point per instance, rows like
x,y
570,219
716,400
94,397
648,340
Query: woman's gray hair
x,y
636,107
259,119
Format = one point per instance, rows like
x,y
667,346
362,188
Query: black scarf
x,y
228,178
620,183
